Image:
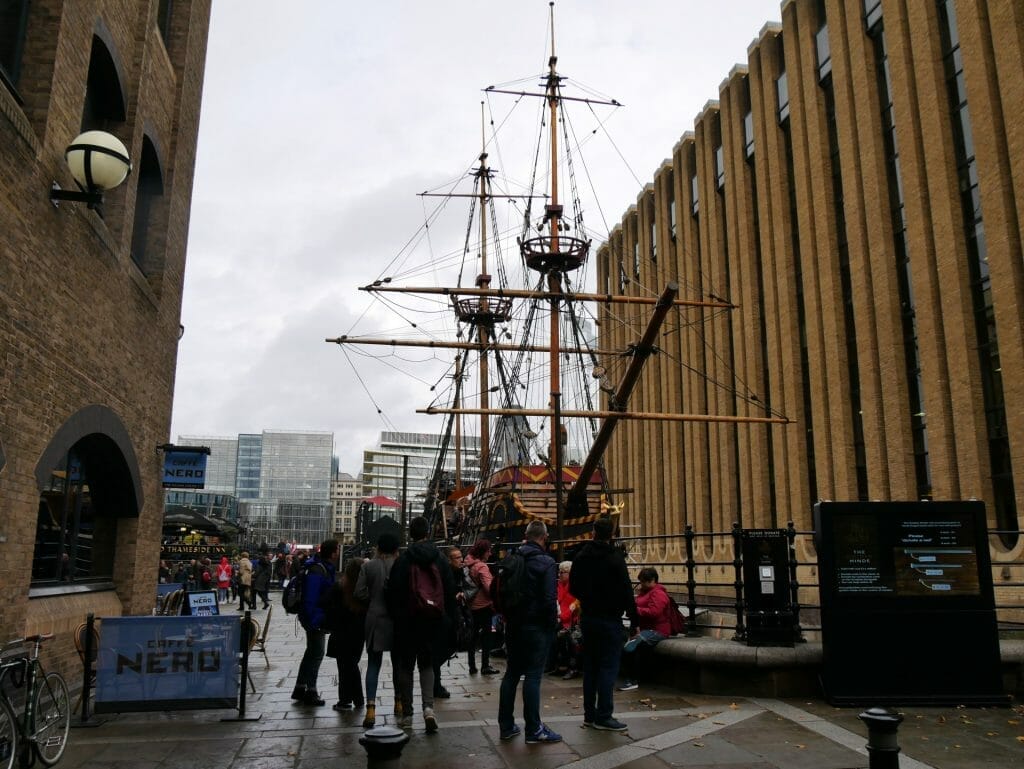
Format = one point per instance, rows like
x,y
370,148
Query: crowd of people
x,y
240,577
422,606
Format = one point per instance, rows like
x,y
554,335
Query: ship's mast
x,y
554,215
483,281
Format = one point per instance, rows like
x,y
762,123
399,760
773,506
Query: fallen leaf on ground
x,y
698,744
991,734
734,706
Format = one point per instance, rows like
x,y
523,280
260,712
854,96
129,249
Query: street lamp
x,y
98,161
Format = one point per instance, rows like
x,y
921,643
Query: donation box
x,y
907,610
767,605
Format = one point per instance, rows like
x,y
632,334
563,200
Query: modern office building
x,y
346,494
221,463
401,465
857,190
280,479
90,300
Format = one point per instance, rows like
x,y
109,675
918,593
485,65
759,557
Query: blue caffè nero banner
x,y
185,469
167,663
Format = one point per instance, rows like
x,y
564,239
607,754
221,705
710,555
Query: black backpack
x,y
511,585
469,585
292,595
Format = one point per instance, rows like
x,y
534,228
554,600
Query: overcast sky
x,y
321,120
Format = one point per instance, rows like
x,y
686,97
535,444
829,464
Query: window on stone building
x,y
75,531
163,20
104,107
748,134
13,19
147,236
782,93
671,187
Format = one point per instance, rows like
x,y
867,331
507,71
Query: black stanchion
x,y
246,642
88,654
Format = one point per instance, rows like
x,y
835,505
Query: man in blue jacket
x,y
319,577
528,635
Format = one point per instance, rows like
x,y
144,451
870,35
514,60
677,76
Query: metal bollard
x,y
883,749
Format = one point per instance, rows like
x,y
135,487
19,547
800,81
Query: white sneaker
x,y
430,720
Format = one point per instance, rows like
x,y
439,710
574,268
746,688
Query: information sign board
x,y
167,663
907,608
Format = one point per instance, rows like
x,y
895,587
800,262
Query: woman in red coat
x,y
653,607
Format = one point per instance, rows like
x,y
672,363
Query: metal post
x,y
246,639
883,749
691,584
794,586
737,563
88,653
405,490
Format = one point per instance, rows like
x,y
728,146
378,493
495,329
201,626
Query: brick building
x,y
857,190
90,300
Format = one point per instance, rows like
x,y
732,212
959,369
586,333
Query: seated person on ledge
x,y
653,607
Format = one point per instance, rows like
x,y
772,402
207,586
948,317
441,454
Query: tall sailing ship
x,y
526,375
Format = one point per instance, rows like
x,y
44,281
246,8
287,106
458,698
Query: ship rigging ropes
x,y
500,212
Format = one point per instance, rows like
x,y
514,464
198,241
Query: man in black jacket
x,y
417,637
600,581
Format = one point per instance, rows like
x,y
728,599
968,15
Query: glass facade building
x,y
409,459
278,482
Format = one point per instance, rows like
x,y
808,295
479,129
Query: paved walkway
x,y
667,728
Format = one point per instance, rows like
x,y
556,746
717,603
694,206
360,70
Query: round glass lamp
x,y
98,161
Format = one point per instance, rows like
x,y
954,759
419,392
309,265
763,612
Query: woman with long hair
x,y
346,642
379,629
481,606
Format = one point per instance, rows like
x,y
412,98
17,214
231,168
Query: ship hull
x,y
502,508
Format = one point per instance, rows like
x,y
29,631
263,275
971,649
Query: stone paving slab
x,y
667,728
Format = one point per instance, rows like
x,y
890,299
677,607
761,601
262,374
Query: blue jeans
x,y
309,667
527,652
602,647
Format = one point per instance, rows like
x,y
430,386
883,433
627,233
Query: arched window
x,y
104,107
88,480
147,234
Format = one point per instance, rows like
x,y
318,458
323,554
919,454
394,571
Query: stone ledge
x,y
714,651
724,666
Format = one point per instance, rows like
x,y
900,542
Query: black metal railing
x,y
699,597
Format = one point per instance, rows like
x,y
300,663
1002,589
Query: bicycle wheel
x,y
52,718
8,735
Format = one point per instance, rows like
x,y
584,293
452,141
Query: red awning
x,y
382,501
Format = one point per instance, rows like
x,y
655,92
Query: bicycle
x,y
43,727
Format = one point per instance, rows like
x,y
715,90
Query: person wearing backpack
x,y
600,580
480,605
530,606
421,601
318,577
